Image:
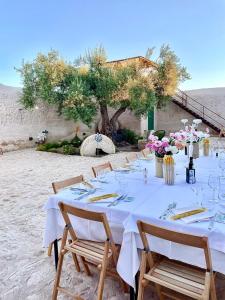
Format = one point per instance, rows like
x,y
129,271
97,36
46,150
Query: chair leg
x,y
50,249
58,275
86,268
141,277
76,262
103,273
213,289
158,289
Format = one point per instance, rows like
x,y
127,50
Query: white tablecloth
x,y
150,201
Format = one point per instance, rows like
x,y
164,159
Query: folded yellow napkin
x,y
106,196
188,213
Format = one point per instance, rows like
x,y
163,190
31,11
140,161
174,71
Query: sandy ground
x,y
26,272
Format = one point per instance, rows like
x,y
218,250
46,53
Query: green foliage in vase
x,y
91,85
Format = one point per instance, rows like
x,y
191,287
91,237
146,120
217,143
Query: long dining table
x,y
146,198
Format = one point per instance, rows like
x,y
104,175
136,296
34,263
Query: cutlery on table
x,y
169,209
117,200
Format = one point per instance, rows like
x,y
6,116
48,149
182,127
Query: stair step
x,y
195,114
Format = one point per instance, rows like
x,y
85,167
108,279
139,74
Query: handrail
x,y
182,92
204,112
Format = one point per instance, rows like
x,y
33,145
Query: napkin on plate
x,y
102,197
183,213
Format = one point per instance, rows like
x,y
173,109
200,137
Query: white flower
x,y
184,121
165,139
197,121
172,149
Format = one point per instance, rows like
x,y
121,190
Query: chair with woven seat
x,y
104,254
174,279
57,186
131,157
101,168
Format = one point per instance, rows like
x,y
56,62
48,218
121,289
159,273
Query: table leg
x,y
133,295
56,253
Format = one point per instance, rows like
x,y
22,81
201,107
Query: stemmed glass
x,y
222,188
222,165
213,183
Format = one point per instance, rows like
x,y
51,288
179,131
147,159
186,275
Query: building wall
x,y
169,117
18,124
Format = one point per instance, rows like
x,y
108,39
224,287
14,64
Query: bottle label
x,y
191,176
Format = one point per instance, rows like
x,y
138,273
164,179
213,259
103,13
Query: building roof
x,y
141,59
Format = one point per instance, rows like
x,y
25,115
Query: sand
x,y
26,272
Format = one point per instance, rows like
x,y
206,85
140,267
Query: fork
x,y
169,209
117,200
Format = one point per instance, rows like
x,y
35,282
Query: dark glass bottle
x,y
190,172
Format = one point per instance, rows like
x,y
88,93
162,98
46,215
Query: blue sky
x,y
195,30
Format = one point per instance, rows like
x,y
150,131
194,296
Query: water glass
x,y
222,188
213,183
207,199
222,165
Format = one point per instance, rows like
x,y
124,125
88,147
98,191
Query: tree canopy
x,y
90,85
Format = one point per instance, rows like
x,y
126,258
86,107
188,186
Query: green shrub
x,y
130,136
47,146
76,141
70,150
65,142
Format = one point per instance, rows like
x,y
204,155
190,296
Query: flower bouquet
x,y
165,146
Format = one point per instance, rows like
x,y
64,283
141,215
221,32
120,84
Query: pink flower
x,y
158,144
207,130
172,135
165,144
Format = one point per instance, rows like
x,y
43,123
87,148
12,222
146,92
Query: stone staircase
x,y
199,111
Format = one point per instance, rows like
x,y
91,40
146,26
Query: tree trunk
x,y
109,126
115,117
105,128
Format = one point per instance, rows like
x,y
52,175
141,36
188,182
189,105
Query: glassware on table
x,y
120,178
221,193
222,165
207,199
145,174
213,183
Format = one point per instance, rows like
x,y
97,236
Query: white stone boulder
x,y
97,141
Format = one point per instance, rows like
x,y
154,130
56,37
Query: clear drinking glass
x,y
222,165
222,188
213,183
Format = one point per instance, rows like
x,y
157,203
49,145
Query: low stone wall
x,y
17,125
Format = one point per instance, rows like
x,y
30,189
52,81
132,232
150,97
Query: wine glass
x,y
222,188
222,165
213,183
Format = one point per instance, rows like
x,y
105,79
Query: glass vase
x,y
159,167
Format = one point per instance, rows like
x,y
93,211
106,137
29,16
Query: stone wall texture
x,y
18,124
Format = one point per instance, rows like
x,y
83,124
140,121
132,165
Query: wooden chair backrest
x,y
68,182
67,210
131,157
105,166
176,237
145,152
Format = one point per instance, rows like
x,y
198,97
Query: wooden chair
x,y
103,254
145,152
131,157
174,279
61,185
97,169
